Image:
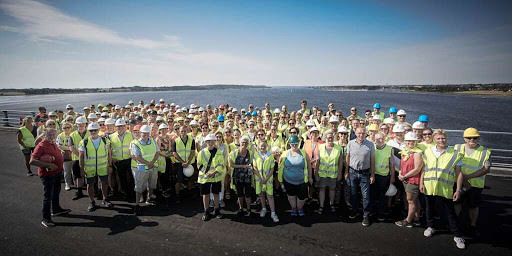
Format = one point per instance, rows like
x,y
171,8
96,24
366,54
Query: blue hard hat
x,y
392,110
220,118
376,105
254,113
294,139
248,113
423,118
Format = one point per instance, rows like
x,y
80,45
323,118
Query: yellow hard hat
x,y
373,127
471,132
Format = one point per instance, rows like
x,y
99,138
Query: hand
x,y
83,173
401,177
392,180
248,166
467,185
339,178
372,179
456,196
151,165
422,188
346,176
263,181
52,167
185,165
114,160
110,170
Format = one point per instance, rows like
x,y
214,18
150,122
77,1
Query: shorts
x,y
91,180
411,188
267,188
27,151
76,169
210,187
243,189
323,182
301,190
472,197
145,180
399,185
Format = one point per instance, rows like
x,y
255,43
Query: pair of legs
x,y
79,179
51,186
378,194
27,153
90,187
447,205
206,189
243,191
321,196
360,179
68,177
297,195
144,180
413,213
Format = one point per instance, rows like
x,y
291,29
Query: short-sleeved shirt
x,y
173,145
360,154
136,150
48,148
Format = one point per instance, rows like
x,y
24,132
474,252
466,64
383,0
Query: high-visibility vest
x,y
282,163
77,138
217,164
328,166
308,147
278,142
28,138
183,150
121,149
423,145
382,157
147,151
474,162
96,160
282,127
440,175
264,167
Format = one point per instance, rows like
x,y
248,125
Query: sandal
x,y
333,209
320,210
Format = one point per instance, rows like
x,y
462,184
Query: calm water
x,y
448,111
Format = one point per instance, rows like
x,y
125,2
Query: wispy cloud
x,y
42,22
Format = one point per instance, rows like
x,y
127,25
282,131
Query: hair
x,y
428,129
245,138
380,134
49,122
361,128
439,132
25,120
66,124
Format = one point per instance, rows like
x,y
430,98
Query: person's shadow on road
x,y
117,223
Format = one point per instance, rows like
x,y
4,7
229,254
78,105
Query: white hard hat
x,y
163,126
127,106
92,115
81,120
310,123
177,106
159,112
313,129
120,122
376,117
343,129
200,109
277,111
401,112
101,120
179,111
172,104
162,100
69,106
192,111
52,114
242,110
148,111
188,171
391,190
234,110
110,121
389,121
159,118
398,128
193,122
334,119
411,136
145,129
117,107
418,125
210,137
104,114
192,106
87,108
140,106
190,116
130,102
93,126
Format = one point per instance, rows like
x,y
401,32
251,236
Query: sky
x,y
96,43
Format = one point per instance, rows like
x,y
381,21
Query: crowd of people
x,y
146,152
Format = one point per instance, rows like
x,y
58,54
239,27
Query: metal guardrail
x,y
12,118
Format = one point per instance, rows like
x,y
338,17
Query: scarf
x,y
406,153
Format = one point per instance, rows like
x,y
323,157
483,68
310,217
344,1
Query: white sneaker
x,y
263,212
67,188
275,218
222,204
429,232
460,242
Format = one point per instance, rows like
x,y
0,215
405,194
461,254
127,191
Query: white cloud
x,y
42,22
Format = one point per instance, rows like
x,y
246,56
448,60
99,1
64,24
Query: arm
x,y
20,140
372,168
347,160
340,167
460,181
34,160
81,161
192,154
484,171
392,170
310,173
418,166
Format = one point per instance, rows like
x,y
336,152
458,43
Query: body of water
x,y
447,111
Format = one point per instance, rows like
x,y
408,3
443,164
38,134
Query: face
x,y
94,133
401,118
145,135
384,129
244,144
261,135
51,135
52,125
67,129
263,147
210,144
330,138
81,127
427,135
355,124
183,132
379,139
360,133
440,140
136,134
411,143
343,135
121,128
399,135
472,141
219,137
353,111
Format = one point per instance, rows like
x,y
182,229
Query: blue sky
x,y
122,43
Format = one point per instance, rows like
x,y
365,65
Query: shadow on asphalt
x,y
117,223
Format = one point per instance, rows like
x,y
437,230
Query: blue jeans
x,y
360,179
378,195
51,194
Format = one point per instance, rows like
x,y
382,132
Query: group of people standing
x,y
136,151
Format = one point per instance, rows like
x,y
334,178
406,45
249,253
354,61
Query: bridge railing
x,y
12,118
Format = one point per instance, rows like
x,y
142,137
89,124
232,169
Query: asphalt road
x,y
178,230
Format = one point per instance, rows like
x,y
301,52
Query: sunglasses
x,y
65,128
472,138
293,132
427,134
93,130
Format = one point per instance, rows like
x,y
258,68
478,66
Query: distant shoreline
x,y
46,91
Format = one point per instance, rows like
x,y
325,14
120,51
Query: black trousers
x,y
51,186
447,205
123,170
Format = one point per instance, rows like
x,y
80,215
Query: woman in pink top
x,y
411,164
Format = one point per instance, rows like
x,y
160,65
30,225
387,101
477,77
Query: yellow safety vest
x,y
148,151
474,162
328,166
183,150
76,138
440,175
423,146
283,159
278,142
28,138
121,149
264,167
217,164
96,160
382,160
